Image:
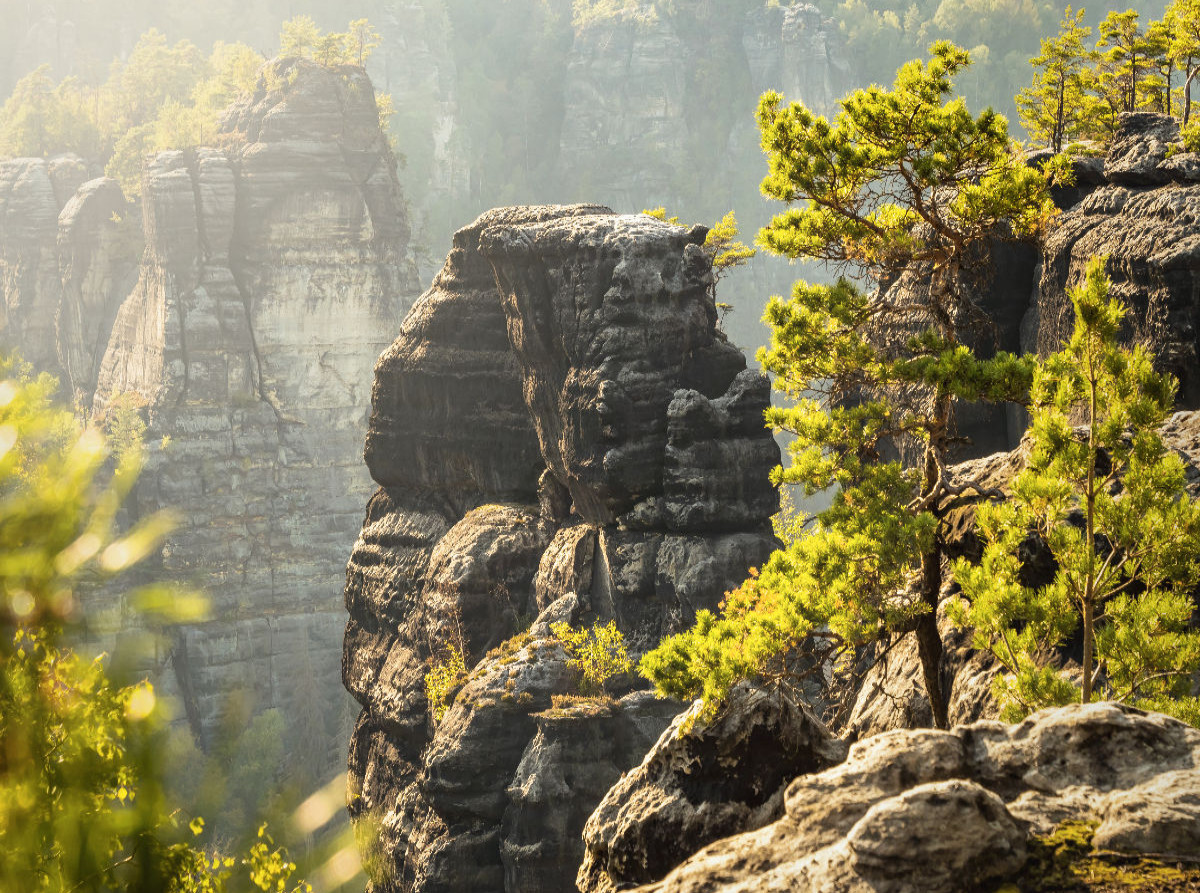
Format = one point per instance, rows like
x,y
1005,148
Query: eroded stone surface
x,y
948,811
703,780
534,470
274,273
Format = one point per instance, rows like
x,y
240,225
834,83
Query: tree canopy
x,y
82,804
1107,499
904,182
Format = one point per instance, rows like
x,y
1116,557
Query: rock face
x,y
1145,220
273,274
954,811
703,780
68,256
552,431
639,107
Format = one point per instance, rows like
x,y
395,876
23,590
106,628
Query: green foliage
x,y
1182,24
903,179
598,653
160,97
721,246
1126,569
1191,137
82,806
443,680
1052,110
299,37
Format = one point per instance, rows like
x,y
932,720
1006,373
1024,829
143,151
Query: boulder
x,y
954,811
704,779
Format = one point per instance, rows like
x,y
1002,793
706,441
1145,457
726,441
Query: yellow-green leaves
x,y
598,653
1128,583
900,175
444,678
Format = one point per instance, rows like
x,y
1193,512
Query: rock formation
x,y
1145,218
705,778
68,257
560,432
944,812
639,109
273,274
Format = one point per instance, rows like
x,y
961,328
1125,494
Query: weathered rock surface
x,y
703,780
949,811
273,275
1141,211
638,110
68,256
579,752
555,429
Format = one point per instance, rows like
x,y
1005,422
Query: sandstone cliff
x,y
659,98
69,252
560,433
273,274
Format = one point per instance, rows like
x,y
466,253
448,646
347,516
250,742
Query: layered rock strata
x,y
557,433
273,274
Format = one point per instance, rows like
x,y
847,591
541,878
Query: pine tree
x,y
298,37
1108,500
904,181
1053,108
362,40
1182,22
1128,70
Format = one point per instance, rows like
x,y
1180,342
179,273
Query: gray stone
x,y
947,812
534,470
704,779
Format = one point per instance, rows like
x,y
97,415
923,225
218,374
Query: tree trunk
x,y
929,640
1187,94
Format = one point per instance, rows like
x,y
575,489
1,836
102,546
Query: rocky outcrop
x,y
553,447
274,272
973,807
1144,220
706,778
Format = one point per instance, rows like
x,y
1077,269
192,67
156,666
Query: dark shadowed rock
x,y
579,751
563,435
447,408
608,316
703,780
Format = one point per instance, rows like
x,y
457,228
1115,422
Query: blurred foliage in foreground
x,y
82,805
